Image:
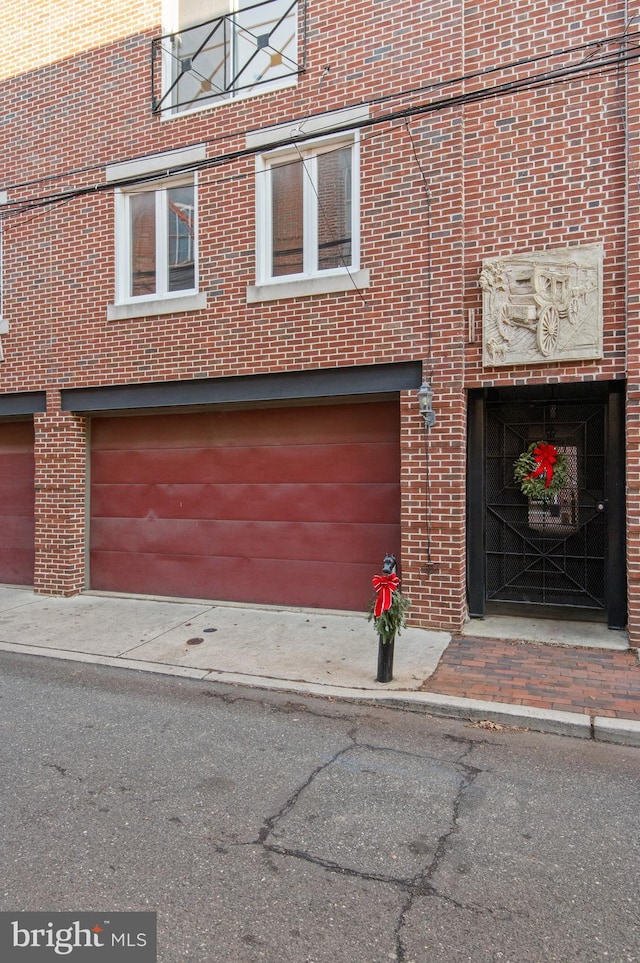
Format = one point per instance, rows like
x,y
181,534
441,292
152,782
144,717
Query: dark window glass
x,y
287,219
143,243
334,209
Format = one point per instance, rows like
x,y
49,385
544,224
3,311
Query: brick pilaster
x,y
60,497
433,509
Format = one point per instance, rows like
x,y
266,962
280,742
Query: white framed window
x,y
156,241
217,50
308,212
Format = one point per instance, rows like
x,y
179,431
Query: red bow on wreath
x,y
385,586
545,456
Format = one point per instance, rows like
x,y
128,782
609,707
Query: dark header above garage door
x,y
369,380
22,403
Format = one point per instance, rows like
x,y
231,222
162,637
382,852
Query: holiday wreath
x,y
541,470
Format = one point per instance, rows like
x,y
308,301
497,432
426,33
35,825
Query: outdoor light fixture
x,y
425,398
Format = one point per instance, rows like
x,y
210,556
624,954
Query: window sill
x,y
307,287
175,113
145,309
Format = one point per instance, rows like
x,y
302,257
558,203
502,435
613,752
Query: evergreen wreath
x,y
390,622
539,475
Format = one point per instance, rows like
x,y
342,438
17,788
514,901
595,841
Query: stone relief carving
x,y
542,306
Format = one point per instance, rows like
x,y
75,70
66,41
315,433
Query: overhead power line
x,y
589,50
608,61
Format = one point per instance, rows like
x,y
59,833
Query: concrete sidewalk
x,y
314,653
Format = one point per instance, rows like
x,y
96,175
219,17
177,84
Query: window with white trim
x,y
156,237
308,211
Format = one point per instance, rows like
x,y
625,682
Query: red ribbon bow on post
x,y
385,586
545,456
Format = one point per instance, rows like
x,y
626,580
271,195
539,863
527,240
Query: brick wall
x,y
481,173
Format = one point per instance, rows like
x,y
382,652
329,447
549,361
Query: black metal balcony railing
x,y
222,58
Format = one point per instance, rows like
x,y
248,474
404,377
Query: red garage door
x,y
16,503
288,506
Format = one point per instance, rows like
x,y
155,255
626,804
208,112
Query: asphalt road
x,y
269,827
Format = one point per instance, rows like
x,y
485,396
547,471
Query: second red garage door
x,y
285,506
16,503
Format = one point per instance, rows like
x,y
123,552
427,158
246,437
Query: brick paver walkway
x,y
593,681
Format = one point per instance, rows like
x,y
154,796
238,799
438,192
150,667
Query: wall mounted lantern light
x,y
425,399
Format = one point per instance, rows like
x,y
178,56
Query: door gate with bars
x,y
564,552
549,552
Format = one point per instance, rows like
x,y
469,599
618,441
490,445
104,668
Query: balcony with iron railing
x,y
250,50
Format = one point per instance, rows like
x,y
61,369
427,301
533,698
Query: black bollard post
x,y
385,660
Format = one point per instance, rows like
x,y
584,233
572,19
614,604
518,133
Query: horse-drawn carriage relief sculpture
x,y
544,306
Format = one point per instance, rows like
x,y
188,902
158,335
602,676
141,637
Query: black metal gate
x,y
564,552
551,551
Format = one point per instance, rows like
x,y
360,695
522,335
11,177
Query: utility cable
x,y
427,194
374,101
548,78
429,369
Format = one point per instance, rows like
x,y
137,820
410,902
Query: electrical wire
x,y
370,102
429,260
547,79
427,493
428,373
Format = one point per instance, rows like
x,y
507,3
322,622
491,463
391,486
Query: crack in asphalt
x,y
334,867
271,821
416,886
423,886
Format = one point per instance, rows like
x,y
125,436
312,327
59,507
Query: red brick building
x,y
236,240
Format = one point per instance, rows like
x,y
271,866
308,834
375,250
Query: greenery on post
x,y
391,622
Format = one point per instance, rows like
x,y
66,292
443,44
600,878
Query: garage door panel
x,y
228,539
15,502
274,426
16,496
328,503
297,464
310,584
15,465
281,506
17,562
16,531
